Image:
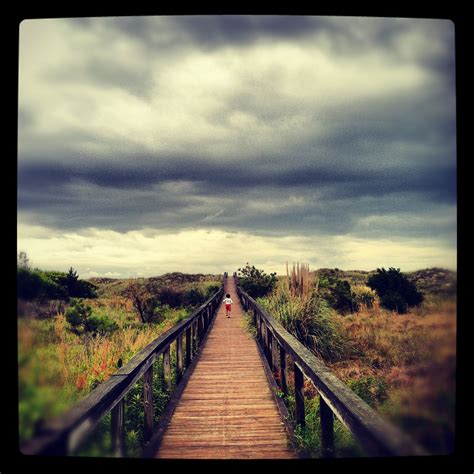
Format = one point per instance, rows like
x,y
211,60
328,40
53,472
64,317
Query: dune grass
x,y
57,367
403,366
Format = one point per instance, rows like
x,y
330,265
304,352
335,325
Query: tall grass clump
x,y
296,304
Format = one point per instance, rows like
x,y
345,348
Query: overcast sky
x,y
198,143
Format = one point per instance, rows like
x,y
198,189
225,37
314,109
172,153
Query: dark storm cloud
x,y
128,196
342,35
212,32
388,154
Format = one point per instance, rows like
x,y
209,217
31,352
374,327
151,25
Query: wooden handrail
x,y
377,436
64,434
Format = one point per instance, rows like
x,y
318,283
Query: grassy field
x,y
402,365
405,368
57,367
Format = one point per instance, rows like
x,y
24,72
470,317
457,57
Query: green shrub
x,y
99,324
311,320
211,289
38,284
81,318
396,291
363,295
373,390
256,282
337,293
33,284
170,296
71,284
77,314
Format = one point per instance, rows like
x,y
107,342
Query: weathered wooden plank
x,y
227,404
156,439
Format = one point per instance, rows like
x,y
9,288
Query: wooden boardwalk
x,y
227,409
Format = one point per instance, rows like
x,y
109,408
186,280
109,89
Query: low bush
x,y
82,319
43,285
256,282
363,296
373,390
311,320
396,291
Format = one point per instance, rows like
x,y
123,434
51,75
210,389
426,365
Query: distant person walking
x,y
228,305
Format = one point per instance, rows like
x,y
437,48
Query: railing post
x,y
167,367
118,431
148,403
263,328
179,358
299,395
283,382
275,350
327,428
188,346
200,329
195,339
269,348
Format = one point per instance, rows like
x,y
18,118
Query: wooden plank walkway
x,y
227,409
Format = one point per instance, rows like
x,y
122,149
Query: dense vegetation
x,y
69,345
395,290
400,358
47,285
256,282
73,333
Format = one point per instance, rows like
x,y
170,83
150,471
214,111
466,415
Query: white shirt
x,y
228,301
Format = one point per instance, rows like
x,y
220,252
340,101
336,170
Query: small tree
x,y
77,314
141,298
71,282
396,291
256,282
337,293
80,316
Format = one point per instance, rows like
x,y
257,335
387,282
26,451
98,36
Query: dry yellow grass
x,y
415,357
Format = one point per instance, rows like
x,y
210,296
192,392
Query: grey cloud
x,y
389,156
105,71
131,196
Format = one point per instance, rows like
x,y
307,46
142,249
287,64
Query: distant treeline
x,y
40,284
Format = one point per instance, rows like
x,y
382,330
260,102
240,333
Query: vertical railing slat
x,y
148,404
299,395
118,430
270,349
283,382
167,368
188,346
179,358
327,428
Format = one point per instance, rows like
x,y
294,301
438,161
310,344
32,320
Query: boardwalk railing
x,y
376,436
68,432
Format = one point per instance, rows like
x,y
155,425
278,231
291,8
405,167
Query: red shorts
x,y
228,307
